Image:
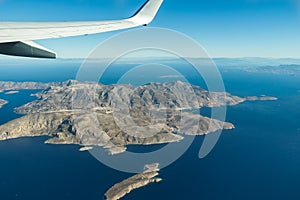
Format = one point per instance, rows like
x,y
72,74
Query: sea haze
x,y
259,159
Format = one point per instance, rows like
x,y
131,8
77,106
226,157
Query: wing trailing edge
x,y
25,49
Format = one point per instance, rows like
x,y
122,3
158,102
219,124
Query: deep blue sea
x,y
259,159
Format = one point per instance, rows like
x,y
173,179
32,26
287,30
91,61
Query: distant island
x,y
52,113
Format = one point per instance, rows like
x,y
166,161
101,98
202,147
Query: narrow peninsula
x,y
3,102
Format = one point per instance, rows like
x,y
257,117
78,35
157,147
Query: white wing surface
x,y
16,37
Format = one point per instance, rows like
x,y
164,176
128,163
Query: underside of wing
x,y
25,49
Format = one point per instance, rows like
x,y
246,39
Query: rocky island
x,y
95,123
119,190
12,92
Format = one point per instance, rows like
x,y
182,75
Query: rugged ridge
x,y
175,95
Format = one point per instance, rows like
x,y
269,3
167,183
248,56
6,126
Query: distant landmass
x,y
281,69
255,62
53,113
7,85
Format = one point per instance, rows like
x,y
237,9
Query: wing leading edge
x,y
15,37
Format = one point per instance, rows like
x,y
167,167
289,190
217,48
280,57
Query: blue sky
x,y
231,28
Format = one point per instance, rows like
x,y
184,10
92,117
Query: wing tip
x,y
147,12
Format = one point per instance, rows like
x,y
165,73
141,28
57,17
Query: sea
x,y
259,159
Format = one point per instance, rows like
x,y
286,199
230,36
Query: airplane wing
x,y
16,37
